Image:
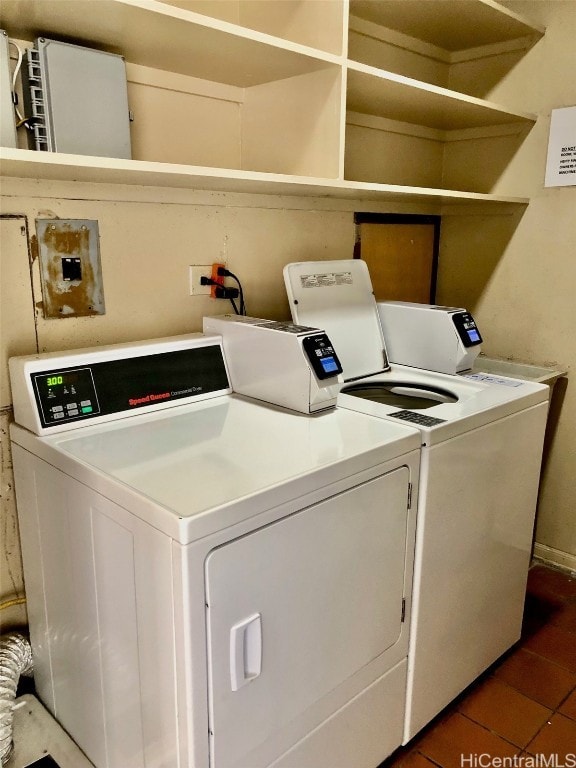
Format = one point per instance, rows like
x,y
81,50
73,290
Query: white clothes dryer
x,y
211,582
481,453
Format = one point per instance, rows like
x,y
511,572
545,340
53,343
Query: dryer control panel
x,y
64,390
65,395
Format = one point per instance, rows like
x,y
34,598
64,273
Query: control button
x,y
56,408
417,418
85,402
87,409
73,412
58,415
71,405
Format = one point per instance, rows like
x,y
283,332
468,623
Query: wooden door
x,y
401,256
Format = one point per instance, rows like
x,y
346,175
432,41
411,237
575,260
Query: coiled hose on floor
x,y
15,660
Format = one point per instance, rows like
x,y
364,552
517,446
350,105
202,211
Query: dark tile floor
x,y
525,704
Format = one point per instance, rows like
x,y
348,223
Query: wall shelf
x,y
385,94
164,37
471,24
283,130
28,164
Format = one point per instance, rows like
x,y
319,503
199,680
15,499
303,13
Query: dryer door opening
x,y
401,394
298,608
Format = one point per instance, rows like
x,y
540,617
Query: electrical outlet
x,y
195,273
216,277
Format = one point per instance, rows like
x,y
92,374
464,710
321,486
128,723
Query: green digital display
x,y
66,379
65,395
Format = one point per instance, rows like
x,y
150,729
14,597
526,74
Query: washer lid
x,y
337,297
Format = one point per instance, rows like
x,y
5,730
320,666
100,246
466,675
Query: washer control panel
x,y
289,365
467,329
417,418
322,356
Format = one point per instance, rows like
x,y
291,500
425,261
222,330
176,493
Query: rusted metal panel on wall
x,y
70,269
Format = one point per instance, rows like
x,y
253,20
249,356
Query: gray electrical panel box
x,y
78,100
7,120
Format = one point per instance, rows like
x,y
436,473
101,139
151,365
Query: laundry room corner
x,y
516,272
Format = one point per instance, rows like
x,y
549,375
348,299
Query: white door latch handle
x,y
245,651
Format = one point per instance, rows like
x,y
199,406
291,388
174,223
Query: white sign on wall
x,y
561,163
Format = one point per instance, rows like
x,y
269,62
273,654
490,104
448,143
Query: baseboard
x,y
555,557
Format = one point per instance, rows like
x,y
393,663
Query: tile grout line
x,y
494,733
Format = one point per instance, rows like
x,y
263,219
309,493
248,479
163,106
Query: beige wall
x,y
148,238
518,273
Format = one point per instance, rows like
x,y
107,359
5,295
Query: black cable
x,y
227,293
223,272
234,305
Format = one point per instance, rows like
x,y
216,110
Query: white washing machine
x,y
481,452
211,582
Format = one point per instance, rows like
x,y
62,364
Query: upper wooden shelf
x,y
169,38
165,37
385,94
448,25
28,164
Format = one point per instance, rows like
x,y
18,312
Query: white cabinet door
x,y
298,607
